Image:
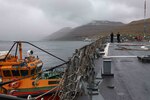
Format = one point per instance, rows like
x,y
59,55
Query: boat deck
x,y
131,79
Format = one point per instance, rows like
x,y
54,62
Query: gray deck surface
x,y
131,79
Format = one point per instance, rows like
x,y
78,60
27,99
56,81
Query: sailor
x,y
118,37
112,37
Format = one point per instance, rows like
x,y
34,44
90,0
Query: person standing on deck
x,y
112,37
118,37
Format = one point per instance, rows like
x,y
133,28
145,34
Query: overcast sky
x,y
34,19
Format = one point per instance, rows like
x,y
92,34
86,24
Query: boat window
x,y
24,72
38,69
32,71
15,73
6,73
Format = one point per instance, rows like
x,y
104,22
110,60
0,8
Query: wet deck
x,y
131,79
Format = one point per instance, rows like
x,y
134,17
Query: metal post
x,y
145,19
20,50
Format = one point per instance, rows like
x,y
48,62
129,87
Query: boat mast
x,y
144,18
20,50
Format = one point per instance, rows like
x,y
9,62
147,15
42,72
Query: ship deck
x,y
131,79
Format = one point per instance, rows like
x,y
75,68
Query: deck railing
x,y
80,73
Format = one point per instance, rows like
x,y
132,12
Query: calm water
x,y
62,49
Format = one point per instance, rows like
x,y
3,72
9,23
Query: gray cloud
x,y
34,19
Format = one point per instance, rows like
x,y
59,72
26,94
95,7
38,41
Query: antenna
x,y
144,18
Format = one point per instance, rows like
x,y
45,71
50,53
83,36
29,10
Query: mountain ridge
x,y
58,34
98,28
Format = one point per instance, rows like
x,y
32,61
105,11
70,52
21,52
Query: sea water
x,y
61,49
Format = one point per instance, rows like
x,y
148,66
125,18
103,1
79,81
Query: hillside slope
x,y
99,28
90,30
59,34
134,27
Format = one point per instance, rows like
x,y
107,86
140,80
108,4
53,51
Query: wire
x,y
42,50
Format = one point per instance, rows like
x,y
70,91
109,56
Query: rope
x,y
44,50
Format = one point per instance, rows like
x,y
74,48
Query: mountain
x,y
91,29
98,28
134,27
97,22
60,34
